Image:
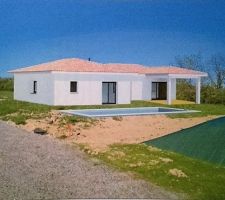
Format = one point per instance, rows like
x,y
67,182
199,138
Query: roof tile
x,y
79,65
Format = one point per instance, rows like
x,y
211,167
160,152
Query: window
x,y
34,87
73,86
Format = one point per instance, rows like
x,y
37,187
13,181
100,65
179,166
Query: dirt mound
x,y
99,134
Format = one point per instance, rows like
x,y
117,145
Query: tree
x,y
216,70
193,61
185,88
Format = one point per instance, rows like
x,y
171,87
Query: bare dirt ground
x,y
99,134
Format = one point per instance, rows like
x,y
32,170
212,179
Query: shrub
x,y
77,119
6,84
209,94
212,95
185,90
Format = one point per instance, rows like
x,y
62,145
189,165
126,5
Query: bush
x,y
209,94
185,90
212,95
6,84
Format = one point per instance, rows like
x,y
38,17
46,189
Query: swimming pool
x,y
112,112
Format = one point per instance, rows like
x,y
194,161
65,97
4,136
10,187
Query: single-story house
x,y
81,82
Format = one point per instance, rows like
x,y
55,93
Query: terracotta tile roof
x,y
78,65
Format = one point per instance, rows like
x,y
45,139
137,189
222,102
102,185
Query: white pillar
x,y
198,91
174,88
169,93
150,90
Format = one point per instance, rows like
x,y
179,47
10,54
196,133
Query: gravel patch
x,y
39,167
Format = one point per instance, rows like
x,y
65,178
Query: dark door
x,y
162,90
109,92
159,90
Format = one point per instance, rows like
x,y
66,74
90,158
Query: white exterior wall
x,y
141,88
53,88
136,90
123,92
86,93
159,78
23,87
146,89
89,87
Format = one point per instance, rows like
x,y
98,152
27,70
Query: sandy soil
x,y
102,133
135,129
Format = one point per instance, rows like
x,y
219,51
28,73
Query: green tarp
x,y
205,141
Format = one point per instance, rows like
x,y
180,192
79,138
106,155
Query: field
x,y
192,178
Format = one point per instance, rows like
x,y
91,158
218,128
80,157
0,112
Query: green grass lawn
x,y
19,111
206,109
202,180
6,94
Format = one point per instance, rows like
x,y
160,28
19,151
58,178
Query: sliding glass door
x,y
108,92
159,90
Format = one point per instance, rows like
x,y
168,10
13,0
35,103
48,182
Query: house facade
x,y
80,82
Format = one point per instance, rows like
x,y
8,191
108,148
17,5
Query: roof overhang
x,y
181,76
187,76
18,72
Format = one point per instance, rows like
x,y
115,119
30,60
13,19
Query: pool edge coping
x,y
178,111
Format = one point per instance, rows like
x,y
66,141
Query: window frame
x,y
76,87
34,87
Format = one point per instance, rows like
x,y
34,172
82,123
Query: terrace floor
x,y
174,102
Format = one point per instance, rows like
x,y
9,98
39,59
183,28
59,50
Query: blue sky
x,y
149,32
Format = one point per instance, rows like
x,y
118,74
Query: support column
x,y
169,93
174,88
150,89
198,91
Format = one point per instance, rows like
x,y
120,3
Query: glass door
x,y
159,90
109,92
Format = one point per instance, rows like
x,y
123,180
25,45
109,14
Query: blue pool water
x,y
126,111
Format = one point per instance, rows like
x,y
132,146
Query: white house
x,y
80,82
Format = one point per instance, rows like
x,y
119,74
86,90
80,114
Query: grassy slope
x,y
18,111
26,110
203,181
206,109
6,94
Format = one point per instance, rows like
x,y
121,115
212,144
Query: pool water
x,y
126,111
